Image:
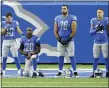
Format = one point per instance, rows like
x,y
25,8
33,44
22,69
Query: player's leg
x,y
28,69
96,53
104,49
71,51
61,53
14,52
34,59
5,51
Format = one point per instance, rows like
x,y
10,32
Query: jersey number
x,y
64,25
9,32
29,47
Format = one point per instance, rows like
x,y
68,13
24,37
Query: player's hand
x,y
28,56
67,40
100,28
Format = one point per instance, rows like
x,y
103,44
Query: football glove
x,y
67,41
99,28
60,40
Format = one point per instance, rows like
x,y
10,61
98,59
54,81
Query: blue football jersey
x,y
100,36
64,25
11,30
30,44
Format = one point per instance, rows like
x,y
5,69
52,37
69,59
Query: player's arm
x,y
92,28
19,31
73,28
22,50
56,32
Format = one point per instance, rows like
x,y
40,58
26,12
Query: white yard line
x,y
56,86
56,82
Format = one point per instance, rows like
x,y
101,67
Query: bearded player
x,y
100,29
64,29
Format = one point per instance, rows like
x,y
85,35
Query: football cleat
x,y
59,74
75,73
34,75
40,74
107,74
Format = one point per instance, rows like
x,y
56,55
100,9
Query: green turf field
x,y
55,82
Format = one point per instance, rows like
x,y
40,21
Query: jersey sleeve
x,y
74,18
92,21
17,23
38,40
2,24
56,19
107,20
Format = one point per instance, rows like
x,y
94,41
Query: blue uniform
x,y
100,36
10,30
64,25
30,44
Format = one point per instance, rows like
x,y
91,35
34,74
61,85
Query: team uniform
x,y
29,45
64,32
9,42
100,41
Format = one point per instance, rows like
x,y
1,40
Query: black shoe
x,y
41,74
107,74
34,75
76,74
59,74
92,76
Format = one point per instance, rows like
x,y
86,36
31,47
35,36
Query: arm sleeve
x,y
17,23
2,25
74,18
55,20
38,42
92,30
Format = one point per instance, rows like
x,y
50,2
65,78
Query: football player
x,y
9,28
30,47
64,29
100,29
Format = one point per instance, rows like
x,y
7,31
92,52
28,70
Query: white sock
x,y
3,72
27,65
60,71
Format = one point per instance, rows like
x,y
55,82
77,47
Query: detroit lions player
x,y
9,28
64,29
100,28
30,47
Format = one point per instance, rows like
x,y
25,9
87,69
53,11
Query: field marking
x,y
52,69
54,82
57,86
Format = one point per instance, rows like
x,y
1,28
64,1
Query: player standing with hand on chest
x,y
64,29
9,28
100,28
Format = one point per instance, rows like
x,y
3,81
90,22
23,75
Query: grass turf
x,y
55,82
56,66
